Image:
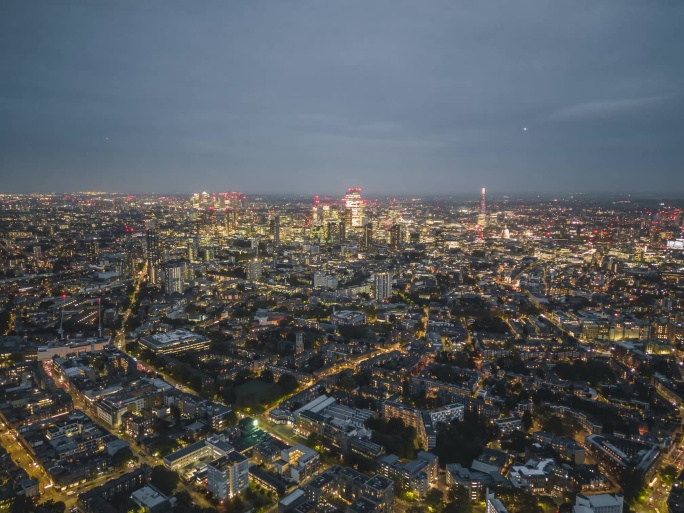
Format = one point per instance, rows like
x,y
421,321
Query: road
x,y
657,490
120,339
24,460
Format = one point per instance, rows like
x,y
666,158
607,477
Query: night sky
x,y
396,97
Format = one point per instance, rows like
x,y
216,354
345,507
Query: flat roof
x,y
289,499
149,497
185,451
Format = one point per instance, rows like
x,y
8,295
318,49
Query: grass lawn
x,y
255,394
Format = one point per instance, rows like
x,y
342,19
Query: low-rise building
x,y
176,342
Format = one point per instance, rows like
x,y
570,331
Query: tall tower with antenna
x,y
482,217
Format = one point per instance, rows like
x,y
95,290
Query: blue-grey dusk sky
x,y
397,97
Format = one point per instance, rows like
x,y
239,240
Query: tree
x,y
267,376
52,506
434,497
183,498
668,474
459,501
122,457
164,480
162,445
176,414
21,504
527,421
288,383
313,440
347,383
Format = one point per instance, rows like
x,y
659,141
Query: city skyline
x,y
273,98
437,354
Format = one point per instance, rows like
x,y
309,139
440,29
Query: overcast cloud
x,y
397,97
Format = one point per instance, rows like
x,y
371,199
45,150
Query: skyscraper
x,y
152,253
482,217
174,275
275,229
129,260
347,217
192,250
382,286
334,232
93,250
397,232
254,270
354,203
367,240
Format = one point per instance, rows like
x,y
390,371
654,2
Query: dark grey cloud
x,y
308,96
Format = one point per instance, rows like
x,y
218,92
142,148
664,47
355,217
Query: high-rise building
x,y
192,251
382,286
314,212
354,203
333,235
93,250
233,219
174,275
254,269
228,476
152,253
397,235
367,240
207,253
275,229
129,260
347,217
440,239
37,253
482,217
299,342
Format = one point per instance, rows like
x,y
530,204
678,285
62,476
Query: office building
x,y
367,239
274,229
176,342
482,215
354,204
397,236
